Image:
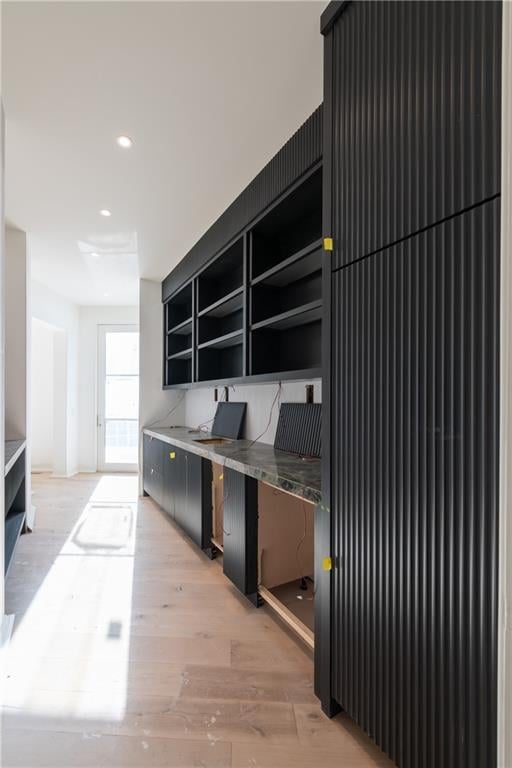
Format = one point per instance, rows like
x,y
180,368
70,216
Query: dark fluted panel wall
x,y
415,478
416,95
300,153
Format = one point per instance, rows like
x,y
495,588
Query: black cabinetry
x,y
406,637
193,504
179,336
256,302
416,408
413,91
180,482
240,525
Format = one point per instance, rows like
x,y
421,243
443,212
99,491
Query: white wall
x,y
16,330
90,318
42,396
200,405
63,315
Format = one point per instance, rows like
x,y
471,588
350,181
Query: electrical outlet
x,y
310,393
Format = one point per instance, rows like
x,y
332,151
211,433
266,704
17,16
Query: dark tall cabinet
x,y
411,199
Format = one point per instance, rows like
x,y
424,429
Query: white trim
x,y
102,466
504,692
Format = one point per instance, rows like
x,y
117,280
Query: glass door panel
x,y
118,401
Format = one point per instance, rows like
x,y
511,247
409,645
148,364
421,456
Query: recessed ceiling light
x,y
94,255
124,141
105,212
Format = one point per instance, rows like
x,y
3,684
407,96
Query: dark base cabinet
x,y
180,482
193,503
241,532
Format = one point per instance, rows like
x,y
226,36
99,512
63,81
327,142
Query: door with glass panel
x,y
118,398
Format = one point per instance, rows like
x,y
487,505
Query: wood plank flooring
x,y
130,648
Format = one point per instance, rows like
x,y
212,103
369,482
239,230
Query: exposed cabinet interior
x,y
286,558
218,506
179,336
223,279
290,226
252,307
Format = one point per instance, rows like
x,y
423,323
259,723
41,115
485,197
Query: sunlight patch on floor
x,y
91,577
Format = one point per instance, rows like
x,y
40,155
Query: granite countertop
x,y
13,449
283,470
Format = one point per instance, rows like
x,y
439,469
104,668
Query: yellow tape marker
x,y
327,564
328,244
172,455
221,477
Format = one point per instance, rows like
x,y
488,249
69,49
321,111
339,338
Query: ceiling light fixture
x,y
94,255
105,212
124,141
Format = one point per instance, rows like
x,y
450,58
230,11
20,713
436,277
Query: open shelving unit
x,y
15,511
255,309
179,336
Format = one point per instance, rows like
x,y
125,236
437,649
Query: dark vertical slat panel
x,y
415,477
299,429
300,153
415,118
241,532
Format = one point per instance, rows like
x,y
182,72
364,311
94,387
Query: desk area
x,y
287,471
248,503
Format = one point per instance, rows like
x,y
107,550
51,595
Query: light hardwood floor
x,y
131,649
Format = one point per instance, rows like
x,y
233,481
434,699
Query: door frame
x,y
100,399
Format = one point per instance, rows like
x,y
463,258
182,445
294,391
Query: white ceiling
x,y
209,92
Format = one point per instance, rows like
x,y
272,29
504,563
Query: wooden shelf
x,y
185,354
182,329
228,340
307,313
232,302
301,264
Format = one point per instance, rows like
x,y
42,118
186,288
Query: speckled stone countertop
x,y
287,471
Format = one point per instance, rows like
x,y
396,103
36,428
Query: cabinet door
x,y
152,468
240,561
173,462
412,104
193,505
414,498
